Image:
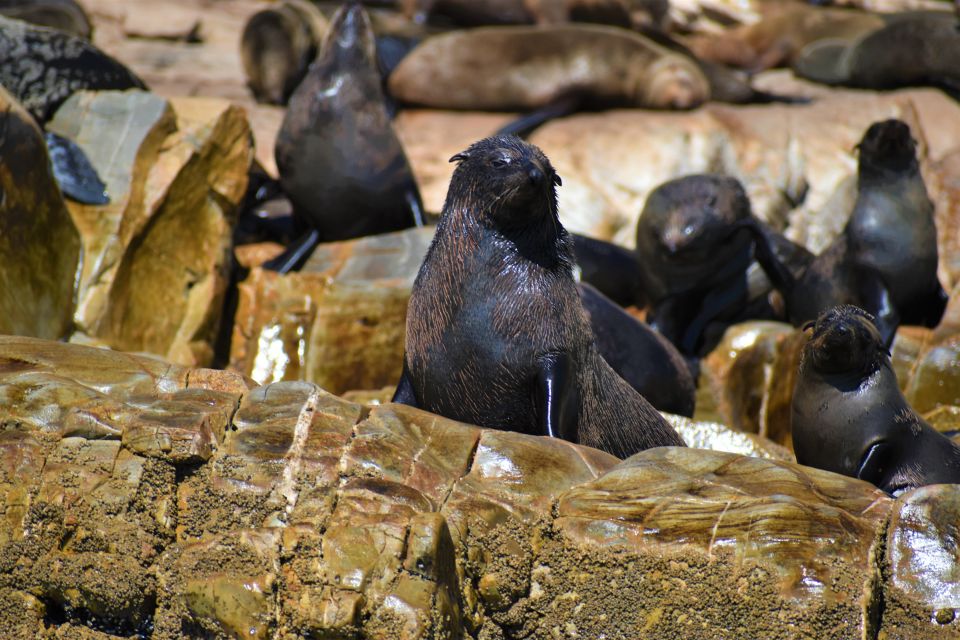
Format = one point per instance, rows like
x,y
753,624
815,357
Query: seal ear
x,y
556,180
460,157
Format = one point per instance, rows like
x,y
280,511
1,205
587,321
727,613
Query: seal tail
x,y
526,124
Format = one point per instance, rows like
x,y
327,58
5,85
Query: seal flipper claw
x,y
527,123
405,393
295,255
556,397
878,302
74,172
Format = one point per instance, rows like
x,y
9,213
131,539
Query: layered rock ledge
x,y
144,499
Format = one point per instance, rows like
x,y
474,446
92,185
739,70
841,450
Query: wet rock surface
x,y
141,497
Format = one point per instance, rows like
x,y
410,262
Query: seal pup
x,y
849,416
641,356
41,68
496,333
885,260
277,45
338,157
695,251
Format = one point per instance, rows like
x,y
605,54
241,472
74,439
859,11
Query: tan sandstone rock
x,y
39,244
154,272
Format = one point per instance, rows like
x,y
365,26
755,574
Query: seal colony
x,y
496,333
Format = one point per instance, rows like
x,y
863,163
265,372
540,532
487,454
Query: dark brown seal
x,y
694,253
885,261
918,48
339,159
277,46
849,416
526,68
496,333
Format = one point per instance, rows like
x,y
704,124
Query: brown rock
x,y
720,437
339,322
678,516
154,274
157,21
936,377
39,244
922,596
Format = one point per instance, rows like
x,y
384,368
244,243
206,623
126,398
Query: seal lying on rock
x,y
528,68
850,417
277,45
496,333
43,67
694,253
339,159
885,261
919,48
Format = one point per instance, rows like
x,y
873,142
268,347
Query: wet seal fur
x,y
496,333
885,261
527,68
339,159
277,46
849,416
641,356
694,254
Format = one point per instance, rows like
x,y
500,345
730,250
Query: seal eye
x,y
500,162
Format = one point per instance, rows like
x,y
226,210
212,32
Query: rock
x,y
720,437
154,272
39,244
935,377
157,21
339,322
922,596
315,516
803,543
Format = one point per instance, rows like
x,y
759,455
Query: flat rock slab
x,y
154,499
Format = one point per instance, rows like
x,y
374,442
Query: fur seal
x,y
339,159
918,48
528,68
277,46
694,253
640,355
496,333
43,67
476,13
885,261
611,269
62,15
849,416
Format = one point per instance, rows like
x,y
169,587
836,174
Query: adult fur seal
x,y
339,159
527,68
496,333
921,48
640,355
277,45
850,417
885,261
43,67
694,254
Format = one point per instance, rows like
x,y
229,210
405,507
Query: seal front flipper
x,y
295,255
523,126
415,204
404,393
875,466
763,250
556,397
74,172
